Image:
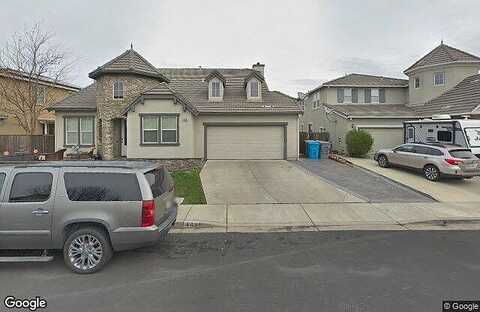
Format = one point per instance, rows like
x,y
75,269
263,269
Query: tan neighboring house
x,y
444,81
135,110
43,90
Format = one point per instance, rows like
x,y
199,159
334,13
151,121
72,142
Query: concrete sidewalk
x,y
320,217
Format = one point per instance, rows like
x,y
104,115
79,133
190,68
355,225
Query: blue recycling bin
x,y
313,149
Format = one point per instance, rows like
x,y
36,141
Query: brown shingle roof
x,y
373,110
85,99
129,62
191,84
441,55
362,80
462,99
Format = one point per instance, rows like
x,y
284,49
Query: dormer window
x,y
254,88
215,89
118,90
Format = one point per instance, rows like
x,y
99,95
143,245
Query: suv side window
x,y
435,152
2,180
406,148
425,150
102,186
31,187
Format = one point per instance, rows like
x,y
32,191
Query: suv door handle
x,y
39,212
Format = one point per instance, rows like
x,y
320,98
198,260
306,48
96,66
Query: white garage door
x,y
385,137
245,142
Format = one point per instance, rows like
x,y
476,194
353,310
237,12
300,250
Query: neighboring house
x,y
138,111
16,88
445,81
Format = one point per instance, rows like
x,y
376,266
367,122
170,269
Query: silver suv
x,y
88,209
435,160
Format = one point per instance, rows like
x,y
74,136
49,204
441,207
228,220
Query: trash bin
x,y
307,142
324,150
313,148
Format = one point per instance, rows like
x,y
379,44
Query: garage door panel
x,y
385,137
245,142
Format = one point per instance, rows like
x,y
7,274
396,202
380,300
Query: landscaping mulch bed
x,y
181,164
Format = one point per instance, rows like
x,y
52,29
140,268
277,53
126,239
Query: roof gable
x,y
85,99
253,74
215,74
129,62
443,54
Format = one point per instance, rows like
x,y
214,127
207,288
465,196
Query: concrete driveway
x,y
445,190
266,182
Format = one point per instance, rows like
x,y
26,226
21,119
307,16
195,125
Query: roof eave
x,y
100,71
412,69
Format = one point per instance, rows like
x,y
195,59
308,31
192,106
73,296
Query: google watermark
x,y
460,306
32,304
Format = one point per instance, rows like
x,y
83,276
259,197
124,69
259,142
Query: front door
x,y
117,138
124,137
26,211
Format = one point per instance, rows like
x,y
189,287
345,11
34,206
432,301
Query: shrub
x,y
359,143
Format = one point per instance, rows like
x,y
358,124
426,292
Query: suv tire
x,y
383,161
87,250
431,172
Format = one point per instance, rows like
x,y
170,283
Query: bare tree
x,y
36,63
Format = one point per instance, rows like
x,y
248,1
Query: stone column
x,y
107,139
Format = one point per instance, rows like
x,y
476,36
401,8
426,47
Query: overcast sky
x,y
303,43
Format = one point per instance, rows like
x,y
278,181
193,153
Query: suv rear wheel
x,y
383,161
87,250
431,172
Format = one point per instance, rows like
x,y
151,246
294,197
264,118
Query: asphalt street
x,y
305,271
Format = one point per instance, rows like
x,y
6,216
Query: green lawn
x,y
189,186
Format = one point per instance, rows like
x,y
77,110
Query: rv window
x,y
444,136
410,133
473,136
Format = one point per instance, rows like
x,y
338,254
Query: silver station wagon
x,y
88,209
434,160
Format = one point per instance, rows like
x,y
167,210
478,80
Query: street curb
x,y
389,179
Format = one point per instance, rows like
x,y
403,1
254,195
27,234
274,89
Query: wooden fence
x,y
321,136
25,144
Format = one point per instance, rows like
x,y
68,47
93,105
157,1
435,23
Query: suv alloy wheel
x,y
431,172
87,250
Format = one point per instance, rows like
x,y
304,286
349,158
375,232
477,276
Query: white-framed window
x,y
416,82
375,95
439,79
316,100
160,129
40,94
347,95
254,89
118,90
215,91
79,131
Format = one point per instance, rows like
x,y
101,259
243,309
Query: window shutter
x,y
368,95
354,95
339,95
381,94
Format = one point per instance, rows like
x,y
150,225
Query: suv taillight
x,y
453,162
148,213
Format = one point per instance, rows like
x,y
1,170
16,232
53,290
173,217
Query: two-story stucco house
x,y
136,111
444,81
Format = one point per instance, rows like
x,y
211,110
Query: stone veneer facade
x,y
109,109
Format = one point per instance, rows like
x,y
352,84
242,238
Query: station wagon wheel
x,y
383,161
431,173
87,250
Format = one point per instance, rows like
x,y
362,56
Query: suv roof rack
x,y
437,144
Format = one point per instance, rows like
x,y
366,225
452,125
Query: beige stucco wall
x,y
191,131
185,148
60,129
9,125
454,73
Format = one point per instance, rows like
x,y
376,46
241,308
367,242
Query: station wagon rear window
x,y
102,187
463,154
31,187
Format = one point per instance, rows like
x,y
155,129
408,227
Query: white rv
x,y
443,129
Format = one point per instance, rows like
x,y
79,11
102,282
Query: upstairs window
x,y
316,100
347,95
417,82
439,79
118,90
40,94
375,95
254,88
215,89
